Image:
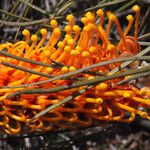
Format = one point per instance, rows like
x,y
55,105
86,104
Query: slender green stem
x,y
13,15
123,65
22,24
137,76
48,109
64,7
114,2
34,7
59,3
4,53
144,43
125,6
84,70
24,15
146,15
79,84
14,8
144,36
26,70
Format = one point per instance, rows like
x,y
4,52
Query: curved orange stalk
x,y
101,14
136,8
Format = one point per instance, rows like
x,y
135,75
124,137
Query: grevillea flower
x,y
26,67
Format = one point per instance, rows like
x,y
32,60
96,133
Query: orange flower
x,y
77,49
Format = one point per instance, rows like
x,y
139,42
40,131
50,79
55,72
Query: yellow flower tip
x,y
88,14
64,69
127,77
57,31
108,13
110,47
79,48
67,48
26,32
102,87
76,28
43,31
111,16
71,42
34,38
53,23
92,49
85,54
143,114
127,95
72,68
109,74
67,28
100,12
74,52
91,78
70,18
136,8
49,70
60,44
90,17
129,17
90,100
99,100
47,53
41,101
84,20
93,100
78,98
88,28
67,36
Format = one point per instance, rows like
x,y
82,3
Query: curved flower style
x,y
25,66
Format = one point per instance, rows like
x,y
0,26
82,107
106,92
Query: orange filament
x,y
130,22
101,14
137,10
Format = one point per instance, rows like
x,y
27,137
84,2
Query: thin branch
x,y
13,15
64,7
144,43
125,6
4,53
59,3
48,109
137,76
144,19
22,24
79,84
84,70
26,70
23,15
35,7
14,8
115,70
105,4
144,36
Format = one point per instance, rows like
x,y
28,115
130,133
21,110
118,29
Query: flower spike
x,y
50,84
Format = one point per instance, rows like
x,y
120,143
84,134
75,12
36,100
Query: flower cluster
x,y
62,54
